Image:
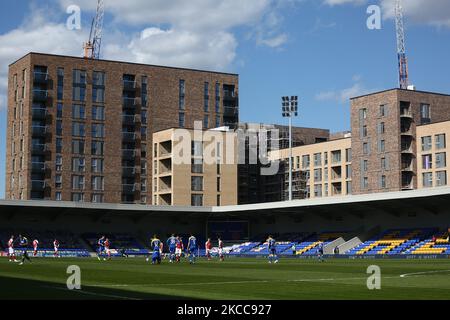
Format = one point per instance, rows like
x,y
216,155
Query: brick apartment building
x,y
81,129
398,142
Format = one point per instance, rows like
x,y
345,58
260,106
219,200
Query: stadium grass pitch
x,y
234,279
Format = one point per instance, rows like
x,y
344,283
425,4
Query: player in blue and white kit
x,y
192,249
320,252
272,250
100,247
172,244
156,245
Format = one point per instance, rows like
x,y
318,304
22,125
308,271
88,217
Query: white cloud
x,y
39,36
344,95
339,2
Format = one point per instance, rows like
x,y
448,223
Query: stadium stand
x,y
392,242
440,246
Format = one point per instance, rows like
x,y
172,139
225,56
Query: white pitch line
x,y
94,293
422,273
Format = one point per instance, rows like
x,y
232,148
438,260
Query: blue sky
x,y
320,50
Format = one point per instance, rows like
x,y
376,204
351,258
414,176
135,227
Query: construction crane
x,y
401,47
93,46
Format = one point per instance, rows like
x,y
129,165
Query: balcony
x,y
129,136
129,188
38,185
128,154
407,167
129,103
230,111
39,131
407,149
128,172
40,95
230,96
38,149
39,113
129,120
38,167
129,85
406,114
40,77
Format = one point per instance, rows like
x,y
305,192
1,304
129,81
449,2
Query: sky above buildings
x,y
320,50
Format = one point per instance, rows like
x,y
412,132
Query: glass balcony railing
x,y
40,77
129,85
129,188
128,136
39,130
38,185
39,113
40,95
129,103
128,154
128,171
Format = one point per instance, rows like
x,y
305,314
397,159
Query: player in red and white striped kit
x,y
221,256
107,245
11,252
35,247
56,247
208,247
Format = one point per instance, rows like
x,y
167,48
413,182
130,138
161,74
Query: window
x,y
317,159
60,89
348,185
318,175
78,165
384,164
365,183
305,162
383,110
206,97
181,120
59,128
59,110
441,178
348,155
381,128
427,179
59,143
365,148
217,104
364,131
78,182
77,197
97,165
98,113
98,130
78,111
218,200
144,92
425,113
440,141
426,143
197,200
382,146
58,196
197,148
219,184
441,161
427,162
58,181
325,155
383,182
197,183
78,146
97,148
98,87
206,121
218,121
79,85
197,165
182,94
97,198
336,156
98,183
317,190
348,172
365,166
78,129
362,114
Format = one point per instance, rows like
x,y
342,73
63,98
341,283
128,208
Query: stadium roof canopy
x,y
434,200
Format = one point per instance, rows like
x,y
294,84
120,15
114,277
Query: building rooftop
x,y
122,62
398,89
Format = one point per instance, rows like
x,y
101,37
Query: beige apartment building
x,y
195,168
319,170
432,151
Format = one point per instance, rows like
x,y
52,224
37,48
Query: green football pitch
x,y
234,279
